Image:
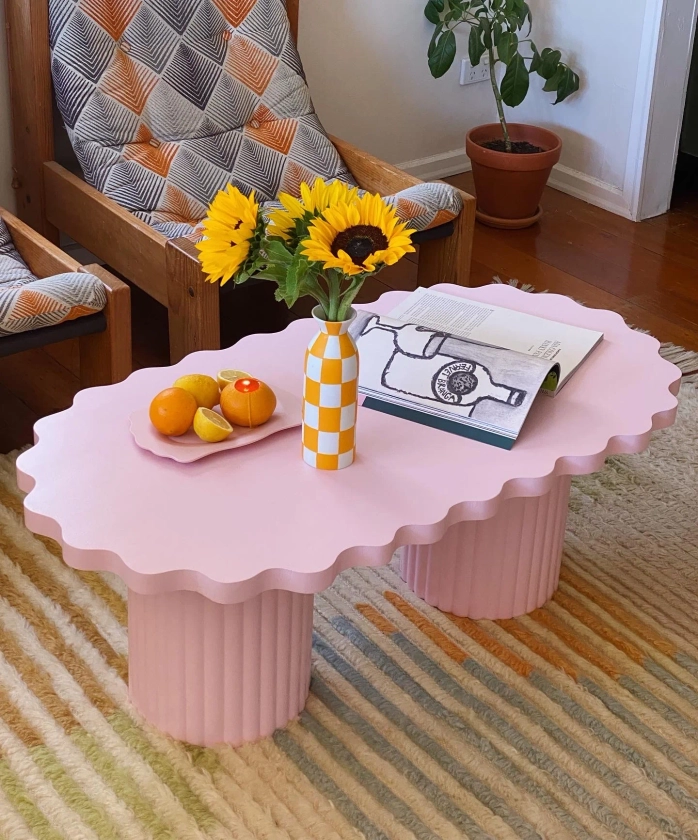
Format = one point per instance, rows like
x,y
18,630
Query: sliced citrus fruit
x,y
210,426
172,411
203,388
225,377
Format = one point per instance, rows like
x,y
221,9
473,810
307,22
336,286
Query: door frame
x,y
665,60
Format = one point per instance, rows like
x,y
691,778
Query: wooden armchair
x,y
52,199
104,337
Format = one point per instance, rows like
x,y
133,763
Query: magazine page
x,y
438,379
542,338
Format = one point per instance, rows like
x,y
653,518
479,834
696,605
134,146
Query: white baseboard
x,y
567,180
438,166
591,190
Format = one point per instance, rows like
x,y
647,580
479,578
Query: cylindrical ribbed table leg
x,y
210,673
494,568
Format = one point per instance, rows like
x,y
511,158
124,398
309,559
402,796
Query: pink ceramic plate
x,y
189,447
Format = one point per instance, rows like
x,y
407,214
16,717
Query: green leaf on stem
x,y
550,60
515,82
567,84
434,38
443,54
552,83
476,48
508,47
535,60
433,10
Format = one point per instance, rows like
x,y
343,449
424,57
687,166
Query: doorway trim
x,y
665,59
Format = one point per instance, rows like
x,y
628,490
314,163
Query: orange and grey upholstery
x,y
28,303
168,101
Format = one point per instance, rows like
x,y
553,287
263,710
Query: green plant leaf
x,y
535,60
508,47
432,11
443,54
554,80
277,252
550,61
515,82
475,46
486,32
568,83
434,38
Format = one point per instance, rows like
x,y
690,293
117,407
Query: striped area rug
x,y
578,721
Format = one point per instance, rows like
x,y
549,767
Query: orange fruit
x,y
172,411
247,402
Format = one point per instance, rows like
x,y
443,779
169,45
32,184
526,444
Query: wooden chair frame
x,y
105,357
52,199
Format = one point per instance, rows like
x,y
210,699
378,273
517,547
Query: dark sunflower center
x,y
360,242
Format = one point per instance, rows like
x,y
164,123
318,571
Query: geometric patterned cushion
x,y
168,101
27,303
423,206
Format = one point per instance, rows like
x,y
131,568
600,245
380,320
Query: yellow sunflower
x,y
229,229
358,237
313,201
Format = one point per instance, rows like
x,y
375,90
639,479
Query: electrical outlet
x,y
470,75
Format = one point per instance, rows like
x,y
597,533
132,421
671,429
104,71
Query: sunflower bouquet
x,y
323,244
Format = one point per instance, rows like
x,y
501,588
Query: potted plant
x,y
324,245
511,161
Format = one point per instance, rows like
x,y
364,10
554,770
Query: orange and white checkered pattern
x,y
330,397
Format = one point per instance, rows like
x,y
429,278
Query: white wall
x,y
7,197
366,62
366,65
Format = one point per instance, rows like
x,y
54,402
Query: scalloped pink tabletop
x,y
254,519
222,556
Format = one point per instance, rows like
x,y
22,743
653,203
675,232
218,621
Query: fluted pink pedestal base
x,y
209,673
494,568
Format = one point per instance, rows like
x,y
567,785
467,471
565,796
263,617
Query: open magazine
x,y
465,367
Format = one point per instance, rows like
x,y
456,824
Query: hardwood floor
x,y
647,272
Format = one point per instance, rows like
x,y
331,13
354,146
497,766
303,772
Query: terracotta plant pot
x,y
509,187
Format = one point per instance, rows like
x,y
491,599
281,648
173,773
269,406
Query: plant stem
x,y
498,100
348,297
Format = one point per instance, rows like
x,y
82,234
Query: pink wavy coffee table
x,y
222,556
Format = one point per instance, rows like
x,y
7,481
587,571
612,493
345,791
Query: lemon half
x,y
225,377
210,426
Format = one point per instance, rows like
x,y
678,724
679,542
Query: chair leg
x,y
105,358
448,260
194,310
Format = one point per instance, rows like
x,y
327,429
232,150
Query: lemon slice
x,y
210,426
225,377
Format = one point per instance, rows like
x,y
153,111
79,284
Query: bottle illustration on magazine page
x,y
417,366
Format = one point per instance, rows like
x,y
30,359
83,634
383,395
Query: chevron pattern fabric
x,y
168,101
28,303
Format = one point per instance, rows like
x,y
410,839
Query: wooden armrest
x,y
106,357
371,173
124,242
43,257
193,303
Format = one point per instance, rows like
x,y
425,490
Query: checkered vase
x,y
330,396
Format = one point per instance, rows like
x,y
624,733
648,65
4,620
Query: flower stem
x,y
335,298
